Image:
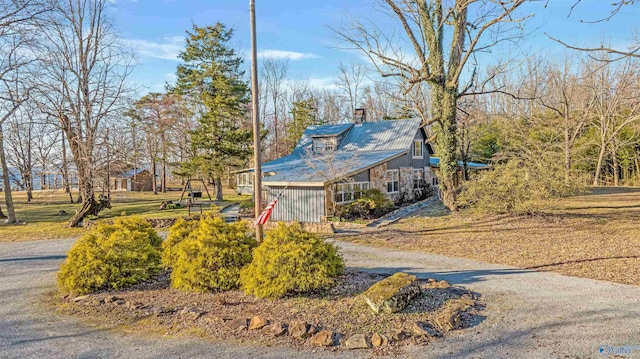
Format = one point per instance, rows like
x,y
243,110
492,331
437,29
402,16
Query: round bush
x,y
178,232
211,257
111,257
289,261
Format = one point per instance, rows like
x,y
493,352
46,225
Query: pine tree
x,y
211,76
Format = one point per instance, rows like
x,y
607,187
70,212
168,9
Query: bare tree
x,y
274,73
349,82
86,68
443,38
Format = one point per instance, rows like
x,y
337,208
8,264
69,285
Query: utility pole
x,y
257,163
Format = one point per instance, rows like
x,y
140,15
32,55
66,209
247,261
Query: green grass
x,y
43,222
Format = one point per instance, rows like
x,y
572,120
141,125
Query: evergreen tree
x,y
303,115
211,76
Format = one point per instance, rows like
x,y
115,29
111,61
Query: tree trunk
x,y
218,183
2,216
616,170
154,181
603,148
444,102
65,170
6,183
567,155
164,176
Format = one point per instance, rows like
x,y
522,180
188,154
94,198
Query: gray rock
x,y
392,294
80,298
358,341
423,329
191,314
379,340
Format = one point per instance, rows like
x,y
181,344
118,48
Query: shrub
x,y
373,204
111,257
291,260
211,257
517,187
178,232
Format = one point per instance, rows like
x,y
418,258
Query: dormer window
x,y
417,149
324,144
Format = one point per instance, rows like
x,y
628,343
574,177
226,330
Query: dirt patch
x,y
155,307
592,236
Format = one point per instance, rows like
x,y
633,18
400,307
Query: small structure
x,y
192,193
135,179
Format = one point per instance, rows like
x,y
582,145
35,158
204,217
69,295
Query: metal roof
x,y
320,169
382,135
327,130
435,162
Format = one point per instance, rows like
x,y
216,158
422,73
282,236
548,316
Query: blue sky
x,y
299,30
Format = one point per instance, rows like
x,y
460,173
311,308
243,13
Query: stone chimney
x,y
359,116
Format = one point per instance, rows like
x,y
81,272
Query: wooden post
x,y
257,183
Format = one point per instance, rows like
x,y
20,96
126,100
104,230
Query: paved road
x,y
528,314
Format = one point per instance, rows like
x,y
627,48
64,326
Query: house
x,y
333,165
135,179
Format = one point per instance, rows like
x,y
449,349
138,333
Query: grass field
x,y
43,222
596,235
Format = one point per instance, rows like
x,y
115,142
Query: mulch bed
x,y
155,307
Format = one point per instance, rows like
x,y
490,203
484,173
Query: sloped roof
x,y
327,130
323,168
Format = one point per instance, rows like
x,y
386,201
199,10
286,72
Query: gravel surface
x,y
528,314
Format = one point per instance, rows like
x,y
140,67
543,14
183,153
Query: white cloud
x,y
167,50
281,54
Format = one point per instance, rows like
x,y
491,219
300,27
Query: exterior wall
x,y
377,177
417,162
361,177
143,182
406,183
402,161
303,204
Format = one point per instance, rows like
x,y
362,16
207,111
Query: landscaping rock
x,y
358,341
312,330
399,335
80,298
450,315
299,329
257,323
379,340
112,299
133,305
392,294
276,329
423,329
323,338
237,324
443,284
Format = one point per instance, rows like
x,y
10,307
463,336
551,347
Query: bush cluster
x,y
178,232
290,261
517,187
209,256
373,204
111,256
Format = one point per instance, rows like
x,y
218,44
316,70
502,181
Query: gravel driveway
x,y
528,314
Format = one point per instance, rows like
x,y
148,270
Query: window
x,y
393,182
434,181
321,145
348,192
418,178
417,149
242,179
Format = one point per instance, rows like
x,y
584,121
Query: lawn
x,y
596,235
42,219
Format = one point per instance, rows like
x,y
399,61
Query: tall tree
x,y
273,74
443,37
211,75
86,70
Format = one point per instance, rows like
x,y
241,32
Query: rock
x,y
450,315
358,341
80,298
299,329
111,299
323,338
399,335
423,329
257,323
276,329
133,305
392,294
443,284
312,330
164,204
191,314
237,324
379,340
